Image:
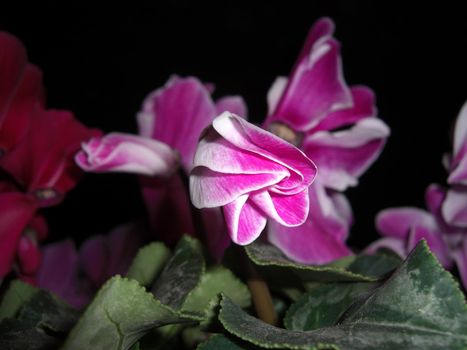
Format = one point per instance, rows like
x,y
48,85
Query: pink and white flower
x,y
120,152
253,175
336,126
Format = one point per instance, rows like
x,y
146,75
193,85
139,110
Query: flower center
x,y
286,133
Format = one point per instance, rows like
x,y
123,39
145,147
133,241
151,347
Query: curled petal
x,y
288,210
454,208
397,222
117,152
244,220
251,138
212,189
343,156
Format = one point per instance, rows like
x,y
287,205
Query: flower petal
x,y
460,256
275,92
397,222
434,240
210,189
288,210
454,208
217,239
176,114
94,256
16,211
118,152
251,138
29,255
232,104
363,107
244,221
309,243
316,85
168,208
396,244
343,156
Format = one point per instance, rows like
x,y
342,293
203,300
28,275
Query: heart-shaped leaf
x,y
418,307
148,263
120,314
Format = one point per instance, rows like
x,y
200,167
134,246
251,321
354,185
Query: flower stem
x,y
260,293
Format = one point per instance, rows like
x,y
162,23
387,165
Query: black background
x,y
101,61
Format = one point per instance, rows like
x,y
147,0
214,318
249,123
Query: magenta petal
x,y
397,222
117,152
13,60
232,104
59,273
315,88
168,208
460,256
29,256
460,135
397,245
288,210
212,189
251,138
244,221
308,243
176,114
343,156
458,175
16,211
454,208
220,155
217,239
434,240
94,257
363,107
434,197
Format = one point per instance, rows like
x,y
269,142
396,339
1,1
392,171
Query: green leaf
x,y
376,266
220,342
181,274
268,256
17,294
41,323
148,263
120,314
205,296
324,305
418,307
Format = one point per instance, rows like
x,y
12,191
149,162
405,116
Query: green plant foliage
x,y
17,294
205,296
181,274
120,314
41,322
147,264
418,307
270,257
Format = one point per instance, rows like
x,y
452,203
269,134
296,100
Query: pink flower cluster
x,y
444,224
286,177
37,146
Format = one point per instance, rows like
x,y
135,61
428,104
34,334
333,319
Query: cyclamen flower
x,y
253,175
176,114
404,227
334,125
127,153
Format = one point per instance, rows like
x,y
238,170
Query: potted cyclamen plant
x,y
244,241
